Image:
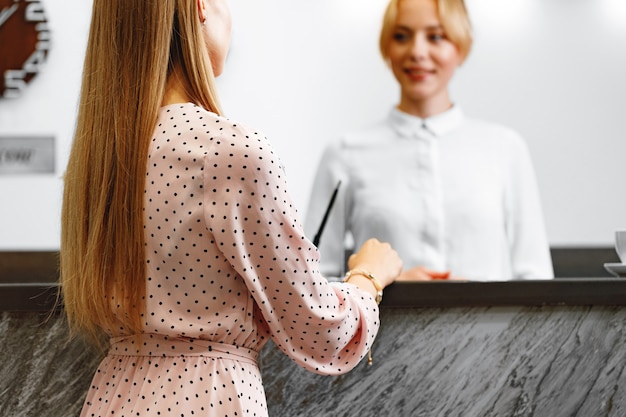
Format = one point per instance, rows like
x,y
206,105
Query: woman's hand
x,y
378,259
420,273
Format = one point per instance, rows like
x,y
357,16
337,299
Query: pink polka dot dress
x,y
228,267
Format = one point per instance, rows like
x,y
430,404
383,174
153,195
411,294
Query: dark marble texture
x,y
41,373
547,361
543,361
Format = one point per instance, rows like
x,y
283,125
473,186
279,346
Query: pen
x,y
316,239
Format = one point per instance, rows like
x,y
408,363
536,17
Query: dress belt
x,y
169,346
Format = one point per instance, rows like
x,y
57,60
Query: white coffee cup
x,y
620,244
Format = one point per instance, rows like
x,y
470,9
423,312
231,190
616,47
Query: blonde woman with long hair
x,y
455,196
181,252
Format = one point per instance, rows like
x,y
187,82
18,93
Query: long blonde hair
x,y
454,19
133,47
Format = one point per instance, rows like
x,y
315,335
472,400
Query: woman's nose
x,y
419,48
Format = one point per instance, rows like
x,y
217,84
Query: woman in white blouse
x,y
455,196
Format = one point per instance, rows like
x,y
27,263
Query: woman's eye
x,y
400,37
436,37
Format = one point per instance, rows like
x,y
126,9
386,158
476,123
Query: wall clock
x,y
24,44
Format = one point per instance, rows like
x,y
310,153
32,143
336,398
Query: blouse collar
x,y
408,126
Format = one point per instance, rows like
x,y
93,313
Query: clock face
x,y
24,44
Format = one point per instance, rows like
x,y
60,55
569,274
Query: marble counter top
x,y
456,349
550,361
572,292
470,362
28,283
561,291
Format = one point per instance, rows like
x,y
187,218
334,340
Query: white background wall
x,y
306,71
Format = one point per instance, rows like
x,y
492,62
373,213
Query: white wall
x,y
306,71
30,205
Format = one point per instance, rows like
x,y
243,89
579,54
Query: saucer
x,y
619,270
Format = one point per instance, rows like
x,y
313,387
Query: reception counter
x,y
522,348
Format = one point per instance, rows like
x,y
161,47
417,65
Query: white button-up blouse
x,y
448,192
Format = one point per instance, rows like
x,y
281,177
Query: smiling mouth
x,y
417,74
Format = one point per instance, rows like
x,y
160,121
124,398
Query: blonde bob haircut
x,y
454,19
132,49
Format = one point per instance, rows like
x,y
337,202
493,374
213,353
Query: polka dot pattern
x,y
228,267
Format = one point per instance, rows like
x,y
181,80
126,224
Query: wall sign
x,y
26,155
24,44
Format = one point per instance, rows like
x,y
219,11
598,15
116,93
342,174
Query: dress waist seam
x,y
156,345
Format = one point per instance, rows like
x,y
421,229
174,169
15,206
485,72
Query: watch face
x,y
24,44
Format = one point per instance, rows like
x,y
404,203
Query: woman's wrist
x,y
367,280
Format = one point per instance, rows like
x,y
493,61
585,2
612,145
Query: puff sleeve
x,y
325,327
